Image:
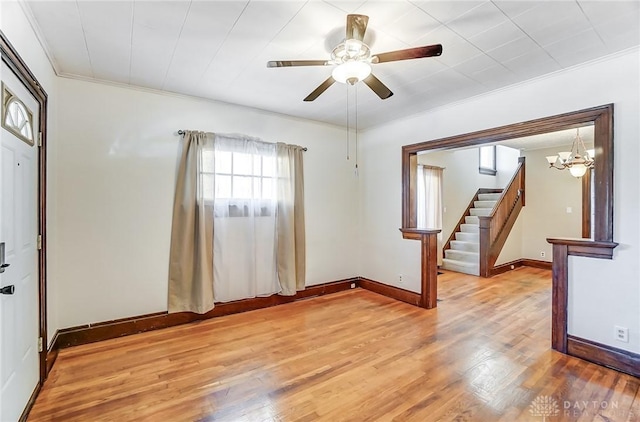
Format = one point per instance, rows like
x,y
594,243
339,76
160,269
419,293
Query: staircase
x,y
463,253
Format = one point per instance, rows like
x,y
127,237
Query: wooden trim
x,y
391,291
601,354
586,247
535,263
32,400
19,67
428,263
559,298
52,353
586,204
517,263
91,333
602,119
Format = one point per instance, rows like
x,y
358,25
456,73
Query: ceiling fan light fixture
x,y
351,72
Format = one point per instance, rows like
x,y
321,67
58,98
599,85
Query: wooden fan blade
x,y
378,87
410,53
288,63
319,90
356,26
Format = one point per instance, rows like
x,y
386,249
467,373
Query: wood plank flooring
x,y
483,355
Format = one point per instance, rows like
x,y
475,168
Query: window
x,y
238,175
488,160
16,117
239,180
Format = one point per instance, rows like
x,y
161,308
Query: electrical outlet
x,y
542,254
400,278
353,285
621,334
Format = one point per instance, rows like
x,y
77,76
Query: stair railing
x,y
495,228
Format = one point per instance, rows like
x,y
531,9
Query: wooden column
x,y
429,263
562,249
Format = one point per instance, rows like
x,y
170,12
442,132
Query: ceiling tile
x,y
204,32
602,11
534,63
475,65
410,26
61,26
107,29
621,32
247,39
547,14
579,48
383,13
316,20
348,6
513,8
445,11
512,49
496,36
478,20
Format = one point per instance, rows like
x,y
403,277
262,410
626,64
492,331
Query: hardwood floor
x,y
482,355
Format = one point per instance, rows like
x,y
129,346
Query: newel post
x,y
485,245
428,263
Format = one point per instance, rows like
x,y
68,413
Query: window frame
x,y
8,98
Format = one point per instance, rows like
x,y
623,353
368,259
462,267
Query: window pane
x,y
223,162
257,187
207,186
267,188
268,166
242,163
242,186
257,166
487,157
223,186
207,161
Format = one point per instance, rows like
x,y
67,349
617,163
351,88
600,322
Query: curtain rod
x,y
432,167
182,132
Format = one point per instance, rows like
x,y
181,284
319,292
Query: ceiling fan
x,y
352,60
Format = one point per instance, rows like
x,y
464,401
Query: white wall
x,y
549,193
117,155
603,293
17,29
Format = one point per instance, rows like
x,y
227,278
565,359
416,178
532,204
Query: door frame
x,y
13,60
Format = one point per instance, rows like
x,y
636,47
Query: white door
x,y
19,332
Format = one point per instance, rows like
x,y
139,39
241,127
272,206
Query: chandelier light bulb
x,y
578,170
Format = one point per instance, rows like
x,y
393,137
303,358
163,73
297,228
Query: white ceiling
x,y
552,139
219,49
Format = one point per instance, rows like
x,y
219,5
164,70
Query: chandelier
x,y
578,160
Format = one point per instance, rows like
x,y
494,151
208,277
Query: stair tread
x,y
460,263
463,252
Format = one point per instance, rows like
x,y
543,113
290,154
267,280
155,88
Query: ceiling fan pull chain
x,y
348,143
356,119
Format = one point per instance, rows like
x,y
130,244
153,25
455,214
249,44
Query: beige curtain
x,y
430,201
191,254
290,237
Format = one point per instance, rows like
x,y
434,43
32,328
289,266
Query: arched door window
x,y
16,117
